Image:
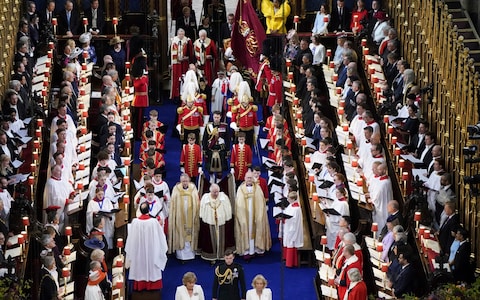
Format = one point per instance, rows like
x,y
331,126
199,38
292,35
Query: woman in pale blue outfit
x,y
321,21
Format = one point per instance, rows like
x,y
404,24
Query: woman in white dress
x,y
322,19
260,290
189,290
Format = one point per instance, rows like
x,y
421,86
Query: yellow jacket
x,y
275,19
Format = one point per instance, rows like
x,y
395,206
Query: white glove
x,y
234,126
182,169
232,170
179,128
229,114
200,171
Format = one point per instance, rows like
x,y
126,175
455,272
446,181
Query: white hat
x,y
85,37
75,53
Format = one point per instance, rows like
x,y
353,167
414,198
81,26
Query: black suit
x,y
21,109
48,287
461,263
190,27
44,20
100,19
63,22
225,33
404,283
445,237
339,22
413,145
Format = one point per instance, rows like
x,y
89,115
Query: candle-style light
x,y
119,246
311,179
85,23
115,23
26,223
315,201
324,242
126,201
374,230
54,23
296,19
417,218
68,233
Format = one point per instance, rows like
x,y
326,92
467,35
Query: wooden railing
x,y
438,53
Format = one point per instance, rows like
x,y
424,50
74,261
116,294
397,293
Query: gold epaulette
x,y
180,110
230,101
234,109
254,107
203,96
200,109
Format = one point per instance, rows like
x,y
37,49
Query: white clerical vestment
x,y
57,192
146,249
380,193
332,222
293,227
109,224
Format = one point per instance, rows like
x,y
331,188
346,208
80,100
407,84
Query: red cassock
x,y
157,158
159,139
286,139
192,118
191,159
178,51
264,186
358,292
245,117
208,66
275,90
141,91
241,160
146,125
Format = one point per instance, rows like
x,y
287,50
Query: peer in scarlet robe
x,y
180,56
145,235
206,56
252,231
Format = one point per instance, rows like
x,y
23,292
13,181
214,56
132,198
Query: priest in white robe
x,y
146,252
252,231
292,230
184,221
58,192
100,205
380,192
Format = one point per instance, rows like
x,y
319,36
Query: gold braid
x,y
223,277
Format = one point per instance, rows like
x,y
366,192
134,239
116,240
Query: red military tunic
x,y
245,117
275,90
264,73
178,51
191,159
141,91
200,101
232,102
191,118
241,160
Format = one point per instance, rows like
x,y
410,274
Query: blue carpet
x,y
285,283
